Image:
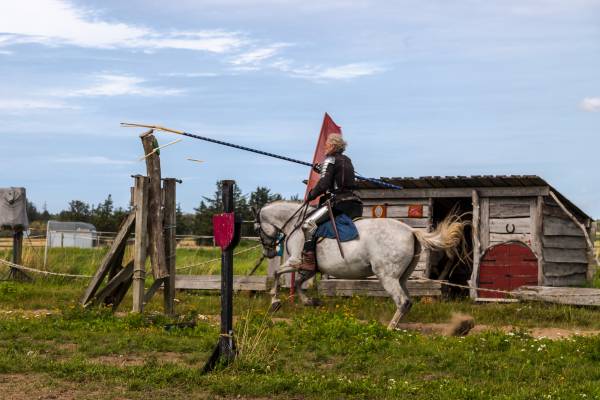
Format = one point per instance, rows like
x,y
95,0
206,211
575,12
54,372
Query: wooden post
x,y
170,223
476,244
155,215
592,264
427,253
139,252
17,247
17,258
537,221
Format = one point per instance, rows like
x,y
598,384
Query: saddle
x,y
345,227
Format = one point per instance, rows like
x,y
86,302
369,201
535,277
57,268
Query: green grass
x,y
318,353
340,350
86,261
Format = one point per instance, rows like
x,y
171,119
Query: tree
x,y
102,216
184,221
45,215
32,212
78,211
262,196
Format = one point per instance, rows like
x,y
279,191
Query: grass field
x,y
85,261
50,348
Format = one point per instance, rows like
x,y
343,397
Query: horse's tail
x,y
448,235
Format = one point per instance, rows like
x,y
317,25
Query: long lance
x,y
264,153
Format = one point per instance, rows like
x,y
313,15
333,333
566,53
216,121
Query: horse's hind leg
x,y
302,277
400,297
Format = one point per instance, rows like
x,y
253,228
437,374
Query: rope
x,y
513,294
466,286
216,259
38,271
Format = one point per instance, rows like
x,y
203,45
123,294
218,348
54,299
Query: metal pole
x,y
225,350
226,339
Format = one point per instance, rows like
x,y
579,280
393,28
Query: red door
x,y
507,266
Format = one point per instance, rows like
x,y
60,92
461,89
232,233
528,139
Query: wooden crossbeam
x,y
116,248
124,274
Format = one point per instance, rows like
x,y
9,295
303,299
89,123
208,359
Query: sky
x,y
467,87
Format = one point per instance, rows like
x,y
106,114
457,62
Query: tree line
x,y
106,217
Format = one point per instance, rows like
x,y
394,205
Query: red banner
x,y
224,229
328,128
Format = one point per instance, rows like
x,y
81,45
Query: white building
x,y
71,234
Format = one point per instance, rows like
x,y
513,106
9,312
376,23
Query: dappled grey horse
x,y
387,248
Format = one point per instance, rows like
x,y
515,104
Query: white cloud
x,y
340,72
94,160
58,23
257,56
119,85
191,74
349,71
13,105
591,104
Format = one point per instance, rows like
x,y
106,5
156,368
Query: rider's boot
x,y
308,262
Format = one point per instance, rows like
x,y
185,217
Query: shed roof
x,y
69,226
474,181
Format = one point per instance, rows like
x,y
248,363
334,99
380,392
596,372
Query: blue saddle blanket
x,y
346,229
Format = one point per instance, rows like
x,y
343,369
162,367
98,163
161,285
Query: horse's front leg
x,y
302,277
275,302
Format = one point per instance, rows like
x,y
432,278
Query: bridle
x,y
270,242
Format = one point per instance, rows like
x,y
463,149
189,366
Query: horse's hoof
x,y
313,302
405,308
275,306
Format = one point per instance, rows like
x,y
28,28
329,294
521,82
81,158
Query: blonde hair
x,y
337,142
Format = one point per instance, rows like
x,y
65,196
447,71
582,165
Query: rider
x,y
336,183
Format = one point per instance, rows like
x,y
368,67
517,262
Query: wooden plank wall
x,y
564,247
398,209
510,219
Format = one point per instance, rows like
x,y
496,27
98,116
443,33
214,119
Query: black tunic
x,y
337,182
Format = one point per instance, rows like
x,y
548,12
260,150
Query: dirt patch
x,y
132,360
548,333
539,333
42,387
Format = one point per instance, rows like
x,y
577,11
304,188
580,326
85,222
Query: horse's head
x,y
268,234
271,221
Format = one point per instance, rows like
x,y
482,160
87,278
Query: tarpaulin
x,y
13,209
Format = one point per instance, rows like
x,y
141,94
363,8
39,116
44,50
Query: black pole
x,y
264,153
225,351
226,341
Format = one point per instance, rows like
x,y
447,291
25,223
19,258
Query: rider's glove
x,y
317,168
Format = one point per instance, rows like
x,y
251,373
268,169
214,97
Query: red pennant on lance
x,y
223,228
328,128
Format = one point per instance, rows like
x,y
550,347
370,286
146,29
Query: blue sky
x,y
419,88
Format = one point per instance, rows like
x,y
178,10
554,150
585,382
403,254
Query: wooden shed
x,y
523,232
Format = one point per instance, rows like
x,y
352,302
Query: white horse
x,y
386,248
